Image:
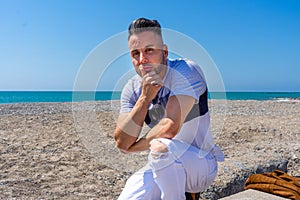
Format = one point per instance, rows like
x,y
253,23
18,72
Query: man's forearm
x,y
164,129
140,145
130,125
133,122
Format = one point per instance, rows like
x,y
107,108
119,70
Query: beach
x,y
66,150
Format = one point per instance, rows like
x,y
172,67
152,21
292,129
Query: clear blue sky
x,y
254,43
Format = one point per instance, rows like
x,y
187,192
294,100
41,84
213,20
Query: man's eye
x,y
149,50
135,54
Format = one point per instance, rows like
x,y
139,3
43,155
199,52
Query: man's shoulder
x,y
133,84
174,63
186,67
180,63
134,80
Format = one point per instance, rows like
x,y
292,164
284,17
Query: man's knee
x,y
158,149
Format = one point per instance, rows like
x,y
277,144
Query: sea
x,y
10,97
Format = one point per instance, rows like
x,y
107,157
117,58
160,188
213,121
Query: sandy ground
x,y
66,151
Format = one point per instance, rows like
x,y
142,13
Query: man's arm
x,y
176,111
129,125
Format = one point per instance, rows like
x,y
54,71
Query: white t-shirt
x,y
183,77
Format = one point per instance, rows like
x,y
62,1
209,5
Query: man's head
x,y
146,46
142,24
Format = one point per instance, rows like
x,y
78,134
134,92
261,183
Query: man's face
x,y
148,51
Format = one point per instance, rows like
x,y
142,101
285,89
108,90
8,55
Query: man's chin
x,y
148,67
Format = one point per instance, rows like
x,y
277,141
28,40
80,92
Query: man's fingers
x,y
158,146
143,72
150,77
157,83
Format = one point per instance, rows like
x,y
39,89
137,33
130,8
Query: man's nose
x,y
143,58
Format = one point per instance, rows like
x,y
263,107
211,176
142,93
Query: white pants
x,y
180,170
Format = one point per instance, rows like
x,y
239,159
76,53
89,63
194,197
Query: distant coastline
x,y
9,97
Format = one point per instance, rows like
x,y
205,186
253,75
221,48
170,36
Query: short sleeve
x,y
129,96
187,79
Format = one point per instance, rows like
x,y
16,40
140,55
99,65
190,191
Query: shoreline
x,y
11,97
44,153
289,99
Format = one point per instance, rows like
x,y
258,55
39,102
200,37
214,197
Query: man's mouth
x,y
147,67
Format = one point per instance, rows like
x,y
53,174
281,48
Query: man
x,y
170,96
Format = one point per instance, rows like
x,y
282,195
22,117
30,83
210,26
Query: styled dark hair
x,y
142,24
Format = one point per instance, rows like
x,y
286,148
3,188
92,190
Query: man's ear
x,y
165,49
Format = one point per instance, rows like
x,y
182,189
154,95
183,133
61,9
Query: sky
x,y
254,44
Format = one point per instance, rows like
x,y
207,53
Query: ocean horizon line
x,y
259,91
8,97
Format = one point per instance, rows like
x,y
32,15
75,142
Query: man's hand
x,y
151,83
125,152
158,146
